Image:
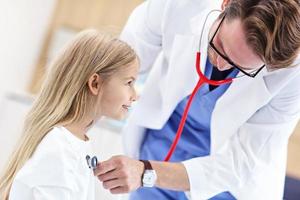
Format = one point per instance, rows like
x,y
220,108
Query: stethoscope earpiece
x,y
92,162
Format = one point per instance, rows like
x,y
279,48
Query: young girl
x,y
93,77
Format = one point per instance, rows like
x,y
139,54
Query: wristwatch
x,y
149,176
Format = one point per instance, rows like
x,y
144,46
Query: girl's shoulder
x,y
61,147
55,143
52,164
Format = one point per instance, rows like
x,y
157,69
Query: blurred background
x,y
32,31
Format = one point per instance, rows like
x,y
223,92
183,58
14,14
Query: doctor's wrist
x,y
141,169
149,176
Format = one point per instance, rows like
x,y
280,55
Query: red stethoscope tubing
x,y
201,82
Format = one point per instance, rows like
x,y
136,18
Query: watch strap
x,y
147,165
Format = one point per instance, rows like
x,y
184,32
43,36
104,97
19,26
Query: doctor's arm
x,y
121,174
249,152
143,32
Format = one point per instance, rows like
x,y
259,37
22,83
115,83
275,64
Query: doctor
x,y
234,143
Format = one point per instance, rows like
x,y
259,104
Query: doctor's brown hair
x,y
272,28
65,96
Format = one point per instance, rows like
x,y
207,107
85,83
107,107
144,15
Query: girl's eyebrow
x,y
131,77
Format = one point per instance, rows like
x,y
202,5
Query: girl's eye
x,y
130,83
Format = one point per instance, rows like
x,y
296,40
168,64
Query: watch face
x,y
149,178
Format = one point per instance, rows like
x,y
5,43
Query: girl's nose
x,y
134,96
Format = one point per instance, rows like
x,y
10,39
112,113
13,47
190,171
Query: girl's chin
x,y
119,116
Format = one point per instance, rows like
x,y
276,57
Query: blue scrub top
x,y
194,142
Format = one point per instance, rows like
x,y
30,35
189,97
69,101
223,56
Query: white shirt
x,y
57,170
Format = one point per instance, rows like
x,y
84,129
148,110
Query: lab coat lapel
x,y
181,76
241,100
183,71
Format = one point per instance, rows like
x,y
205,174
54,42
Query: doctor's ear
x,y
224,4
94,84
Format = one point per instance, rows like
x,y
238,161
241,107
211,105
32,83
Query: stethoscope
x,y
202,80
92,162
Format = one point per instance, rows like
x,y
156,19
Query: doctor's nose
x,y
222,64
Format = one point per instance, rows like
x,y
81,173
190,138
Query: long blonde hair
x,y
64,97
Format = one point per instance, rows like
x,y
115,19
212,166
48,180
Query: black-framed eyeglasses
x,y
251,73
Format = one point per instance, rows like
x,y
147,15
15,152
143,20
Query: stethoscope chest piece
x,y
92,162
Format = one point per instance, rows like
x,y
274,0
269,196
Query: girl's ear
x,y
94,84
224,4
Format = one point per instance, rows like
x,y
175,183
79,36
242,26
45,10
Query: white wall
x,y
13,109
23,25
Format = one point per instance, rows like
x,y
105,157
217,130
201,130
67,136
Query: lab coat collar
x,y
245,93
246,99
183,70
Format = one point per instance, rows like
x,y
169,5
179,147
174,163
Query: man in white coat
x,y
234,143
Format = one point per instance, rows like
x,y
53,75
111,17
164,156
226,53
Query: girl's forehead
x,y
131,69
125,72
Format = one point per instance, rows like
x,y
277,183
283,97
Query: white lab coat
x,y
251,122
57,170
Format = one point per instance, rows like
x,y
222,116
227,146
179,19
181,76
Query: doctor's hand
x,y
120,174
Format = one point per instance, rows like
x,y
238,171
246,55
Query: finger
x,y
111,184
120,190
115,174
104,167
